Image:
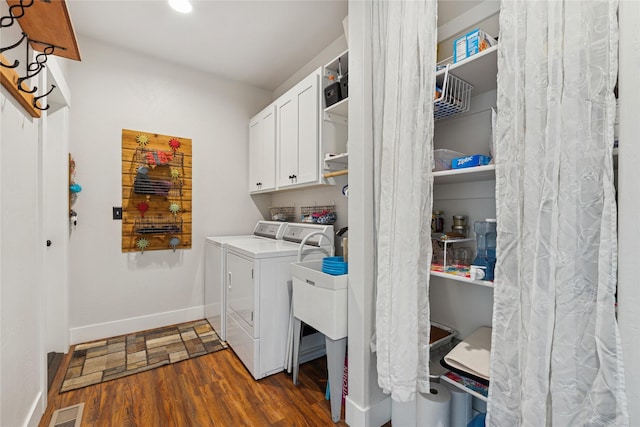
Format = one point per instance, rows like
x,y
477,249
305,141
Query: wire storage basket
x,y
283,213
158,225
454,97
319,214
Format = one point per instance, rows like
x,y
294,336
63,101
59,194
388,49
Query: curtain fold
x,y
403,56
556,352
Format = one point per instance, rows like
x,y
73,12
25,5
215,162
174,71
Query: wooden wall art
x,y
156,192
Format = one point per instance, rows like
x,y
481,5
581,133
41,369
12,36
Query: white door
x,y
241,290
55,203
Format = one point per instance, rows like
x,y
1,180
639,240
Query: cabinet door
x,y
241,290
297,120
262,151
268,153
255,153
308,132
287,131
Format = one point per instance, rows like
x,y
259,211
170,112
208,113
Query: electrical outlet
x,y
117,212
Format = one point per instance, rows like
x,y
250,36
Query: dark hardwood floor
x,y
210,390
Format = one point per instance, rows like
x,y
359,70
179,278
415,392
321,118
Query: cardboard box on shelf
x,y
470,161
471,43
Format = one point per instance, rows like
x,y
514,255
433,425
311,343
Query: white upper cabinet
x,y
289,139
262,151
297,130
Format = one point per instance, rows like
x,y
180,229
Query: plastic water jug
x,y
485,246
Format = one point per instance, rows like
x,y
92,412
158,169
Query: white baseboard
x,y
373,416
134,324
35,412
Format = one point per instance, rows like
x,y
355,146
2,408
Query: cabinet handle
x,y
229,280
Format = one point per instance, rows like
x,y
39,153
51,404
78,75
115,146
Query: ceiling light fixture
x,y
182,6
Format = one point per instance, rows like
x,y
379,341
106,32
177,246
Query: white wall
x,y
328,54
113,292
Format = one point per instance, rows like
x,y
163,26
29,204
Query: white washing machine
x,y
259,295
215,270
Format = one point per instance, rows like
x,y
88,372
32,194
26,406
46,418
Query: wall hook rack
x,y
37,98
4,49
48,28
34,68
15,12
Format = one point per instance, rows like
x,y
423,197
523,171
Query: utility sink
x,y
320,299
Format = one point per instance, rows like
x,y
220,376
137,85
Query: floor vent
x,y
71,416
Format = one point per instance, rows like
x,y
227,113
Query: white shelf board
x,y
342,158
453,240
340,108
452,176
462,387
480,70
485,283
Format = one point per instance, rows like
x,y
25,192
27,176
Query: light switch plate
x,y
117,212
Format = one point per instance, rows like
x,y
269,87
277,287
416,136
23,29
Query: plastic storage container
x,y
485,260
442,159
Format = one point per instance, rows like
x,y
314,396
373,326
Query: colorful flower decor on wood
x,y
142,244
142,140
142,208
175,173
174,144
174,242
174,208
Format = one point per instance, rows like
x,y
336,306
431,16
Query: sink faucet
x,y
304,241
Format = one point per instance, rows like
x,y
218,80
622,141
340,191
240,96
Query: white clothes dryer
x,y
215,270
259,295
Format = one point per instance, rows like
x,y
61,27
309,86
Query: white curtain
x,y
556,354
403,56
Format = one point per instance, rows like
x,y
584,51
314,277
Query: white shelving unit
x,y
459,194
336,165
338,68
